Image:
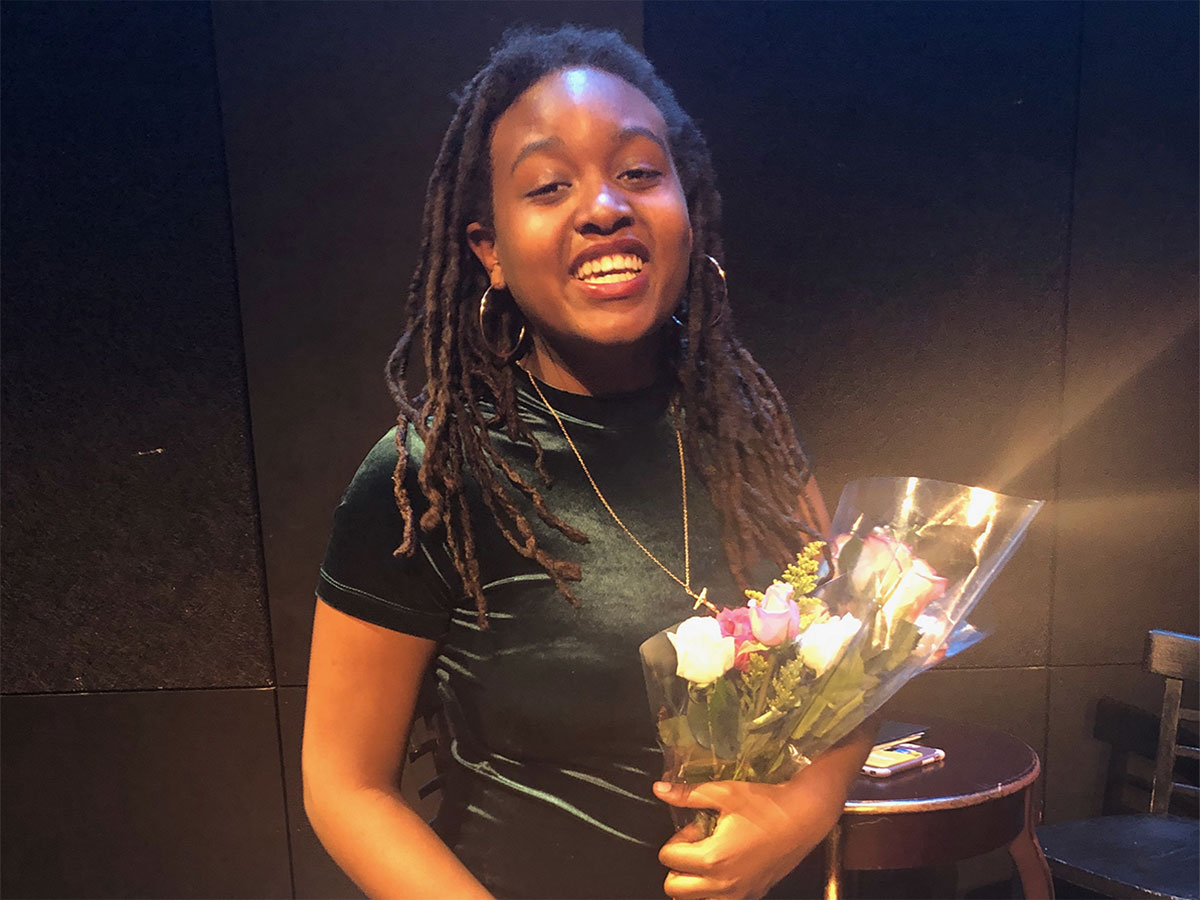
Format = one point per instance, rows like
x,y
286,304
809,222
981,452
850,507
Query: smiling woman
x,y
590,431
591,231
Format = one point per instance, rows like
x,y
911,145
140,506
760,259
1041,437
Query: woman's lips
x,y
617,290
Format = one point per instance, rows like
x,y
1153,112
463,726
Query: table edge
x,y
958,801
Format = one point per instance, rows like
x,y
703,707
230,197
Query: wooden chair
x,y
1131,734
430,737
1154,855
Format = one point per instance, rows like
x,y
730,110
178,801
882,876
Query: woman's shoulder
x,y
380,461
362,574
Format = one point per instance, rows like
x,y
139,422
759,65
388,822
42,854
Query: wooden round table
x,y
978,799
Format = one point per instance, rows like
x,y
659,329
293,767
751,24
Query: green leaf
x,y
904,640
697,717
825,729
766,720
841,691
848,556
725,713
847,677
713,716
674,732
809,719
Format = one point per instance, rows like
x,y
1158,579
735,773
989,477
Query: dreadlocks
x,y
734,423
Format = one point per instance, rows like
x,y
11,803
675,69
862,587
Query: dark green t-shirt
x,y
554,748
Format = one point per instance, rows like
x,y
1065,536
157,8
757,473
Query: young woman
x,y
591,449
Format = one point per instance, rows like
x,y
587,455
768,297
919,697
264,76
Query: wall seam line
x,y
253,468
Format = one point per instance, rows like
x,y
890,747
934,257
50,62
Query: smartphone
x,y
889,761
892,733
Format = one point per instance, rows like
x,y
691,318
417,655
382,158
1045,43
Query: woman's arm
x,y
814,500
764,830
362,690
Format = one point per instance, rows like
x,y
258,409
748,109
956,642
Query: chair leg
x,y
833,864
1027,856
1168,731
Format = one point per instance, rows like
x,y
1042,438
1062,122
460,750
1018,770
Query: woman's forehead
x,y
570,101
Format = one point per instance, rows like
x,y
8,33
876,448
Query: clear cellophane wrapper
x,y
908,560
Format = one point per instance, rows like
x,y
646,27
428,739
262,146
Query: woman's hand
x,y
762,834
764,830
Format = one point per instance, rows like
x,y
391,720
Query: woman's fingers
x,y
683,855
709,795
688,834
682,886
691,853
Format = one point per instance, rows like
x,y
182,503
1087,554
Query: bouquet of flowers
x,y
753,692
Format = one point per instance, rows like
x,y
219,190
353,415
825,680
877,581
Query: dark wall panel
x,y
1127,548
333,115
143,794
130,530
897,185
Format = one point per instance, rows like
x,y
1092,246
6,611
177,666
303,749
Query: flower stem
x,y
760,702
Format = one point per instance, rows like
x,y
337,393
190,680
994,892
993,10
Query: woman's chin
x,y
619,343
623,329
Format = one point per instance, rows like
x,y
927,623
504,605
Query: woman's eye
x,y
639,175
547,190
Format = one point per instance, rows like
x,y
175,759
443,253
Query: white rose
x,y
702,653
918,586
820,644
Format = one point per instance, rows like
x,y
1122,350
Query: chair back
x,y
1177,658
433,737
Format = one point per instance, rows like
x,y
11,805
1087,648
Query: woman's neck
x,y
612,370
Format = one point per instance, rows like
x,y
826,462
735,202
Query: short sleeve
x,y
362,577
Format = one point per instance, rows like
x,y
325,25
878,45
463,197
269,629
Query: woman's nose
x,y
605,210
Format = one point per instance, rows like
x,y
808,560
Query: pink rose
x,y
735,623
881,558
777,617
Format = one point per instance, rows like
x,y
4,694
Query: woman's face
x,y
590,225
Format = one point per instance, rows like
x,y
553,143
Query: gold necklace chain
x,y
686,581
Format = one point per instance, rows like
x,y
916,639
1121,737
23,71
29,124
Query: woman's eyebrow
x,y
533,147
631,131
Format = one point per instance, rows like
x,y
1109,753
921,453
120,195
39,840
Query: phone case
x,y
887,762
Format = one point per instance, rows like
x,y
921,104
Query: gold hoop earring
x,y
724,291
506,357
724,297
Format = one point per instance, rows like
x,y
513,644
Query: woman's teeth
x,y
609,269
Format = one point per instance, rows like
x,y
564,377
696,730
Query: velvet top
x,y
554,750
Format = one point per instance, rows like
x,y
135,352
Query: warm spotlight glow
x,y
910,496
1092,382
981,505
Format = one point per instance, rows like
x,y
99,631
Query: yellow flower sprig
x,y
802,574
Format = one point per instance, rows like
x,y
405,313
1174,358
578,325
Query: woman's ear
x,y
483,244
